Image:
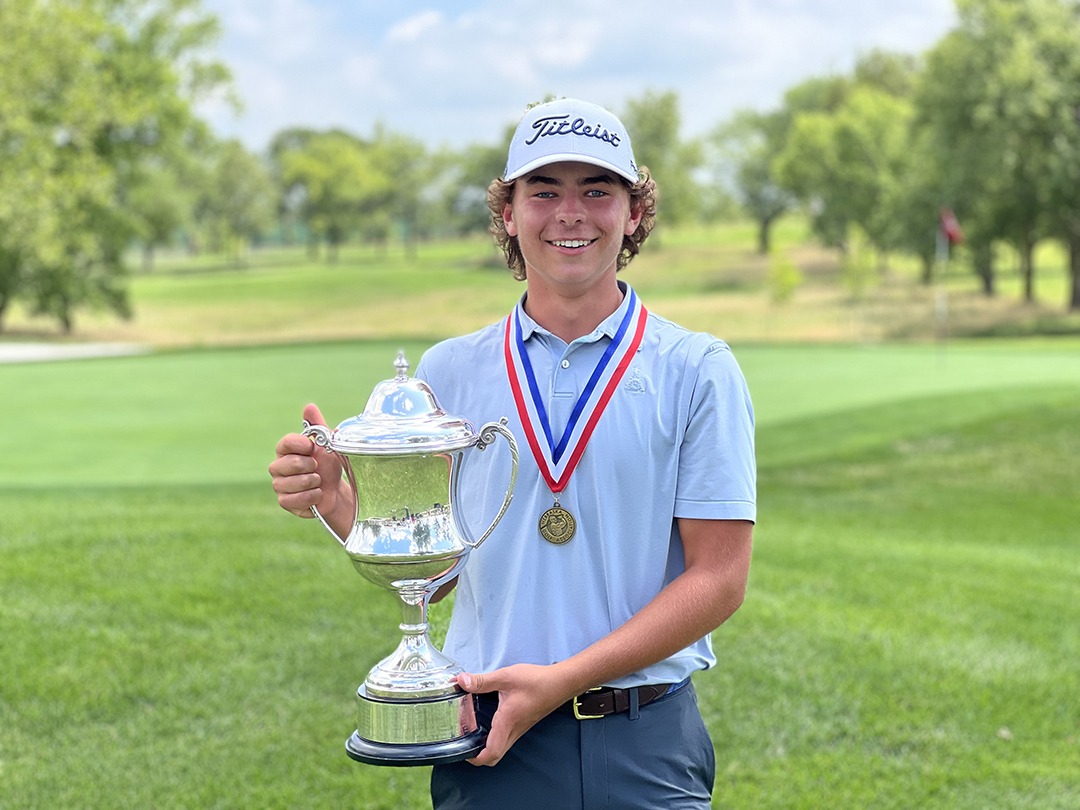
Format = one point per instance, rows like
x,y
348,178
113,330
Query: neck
x,y
569,317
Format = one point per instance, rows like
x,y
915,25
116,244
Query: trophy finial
x,y
402,365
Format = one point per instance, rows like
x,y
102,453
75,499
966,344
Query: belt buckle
x,y
577,706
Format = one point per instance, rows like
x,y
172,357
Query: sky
x,y
452,73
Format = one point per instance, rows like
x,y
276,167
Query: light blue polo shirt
x,y
676,440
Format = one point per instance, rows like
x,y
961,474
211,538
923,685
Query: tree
x,y
390,188
915,204
27,217
337,182
889,71
92,93
464,181
163,204
406,161
654,120
290,197
745,149
810,168
848,165
239,200
847,150
1058,50
36,51
998,101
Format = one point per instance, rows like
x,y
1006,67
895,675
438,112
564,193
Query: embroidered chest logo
x,y
635,381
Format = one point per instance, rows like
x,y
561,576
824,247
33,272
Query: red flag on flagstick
x,y
950,226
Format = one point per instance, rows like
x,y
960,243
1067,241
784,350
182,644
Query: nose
x,y
570,210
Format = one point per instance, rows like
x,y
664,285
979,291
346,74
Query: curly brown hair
x,y
642,198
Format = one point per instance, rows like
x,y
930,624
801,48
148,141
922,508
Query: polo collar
x,y
606,328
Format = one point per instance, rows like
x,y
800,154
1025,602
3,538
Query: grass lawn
x,y
170,638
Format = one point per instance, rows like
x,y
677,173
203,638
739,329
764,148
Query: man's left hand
x,y
527,693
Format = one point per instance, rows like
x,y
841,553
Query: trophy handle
x,y
488,434
320,434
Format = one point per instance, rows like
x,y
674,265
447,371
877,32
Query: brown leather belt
x,y
604,700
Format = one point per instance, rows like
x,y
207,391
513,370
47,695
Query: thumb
x,y
313,416
476,684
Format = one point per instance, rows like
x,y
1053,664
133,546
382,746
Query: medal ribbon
x,y
555,464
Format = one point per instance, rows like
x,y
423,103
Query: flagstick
x,y
941,302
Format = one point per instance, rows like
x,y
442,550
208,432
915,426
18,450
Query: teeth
x,y
570,243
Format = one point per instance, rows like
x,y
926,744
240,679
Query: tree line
x,y
101,151
985,126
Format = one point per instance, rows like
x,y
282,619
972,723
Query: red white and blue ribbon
x,y
558,458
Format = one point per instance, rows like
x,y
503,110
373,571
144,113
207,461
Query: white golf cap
x,y
573,130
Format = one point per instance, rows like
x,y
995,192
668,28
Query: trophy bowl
x,y
403,457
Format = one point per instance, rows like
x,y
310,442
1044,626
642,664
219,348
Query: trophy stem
x,y
414,607
417,668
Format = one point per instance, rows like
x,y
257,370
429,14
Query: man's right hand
x,y
306,475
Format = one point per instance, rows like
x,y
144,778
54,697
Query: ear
x,y
508,219
634,219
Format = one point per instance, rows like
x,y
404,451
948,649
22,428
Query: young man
x,y
628,540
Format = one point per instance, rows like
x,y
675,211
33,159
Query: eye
x,y
596,192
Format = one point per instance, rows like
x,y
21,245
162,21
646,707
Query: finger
x,y
295,444
476,684
496,745
299,463
484,760
300,482
487,758
312,415
497,740
300,503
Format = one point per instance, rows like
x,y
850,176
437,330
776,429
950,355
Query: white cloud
x,y
275,31
413,28
462,72
362,73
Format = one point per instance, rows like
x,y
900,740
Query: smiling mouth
x,y
571,243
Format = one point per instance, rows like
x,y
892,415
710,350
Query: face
x,y
570,220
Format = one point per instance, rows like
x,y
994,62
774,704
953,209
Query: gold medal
x,y
557,525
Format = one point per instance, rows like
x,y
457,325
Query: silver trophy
x,y
403,457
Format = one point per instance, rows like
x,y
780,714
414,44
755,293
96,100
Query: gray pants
x,y
662,758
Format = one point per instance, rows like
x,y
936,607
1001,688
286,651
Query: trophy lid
x,y
402,417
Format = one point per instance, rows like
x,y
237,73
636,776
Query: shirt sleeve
x,y
717,467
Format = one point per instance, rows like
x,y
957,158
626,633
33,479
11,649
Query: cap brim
x,y
569,157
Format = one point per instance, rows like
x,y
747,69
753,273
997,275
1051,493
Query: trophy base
x,y
404,755
432,731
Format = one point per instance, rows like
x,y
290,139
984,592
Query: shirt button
x,y
565,364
